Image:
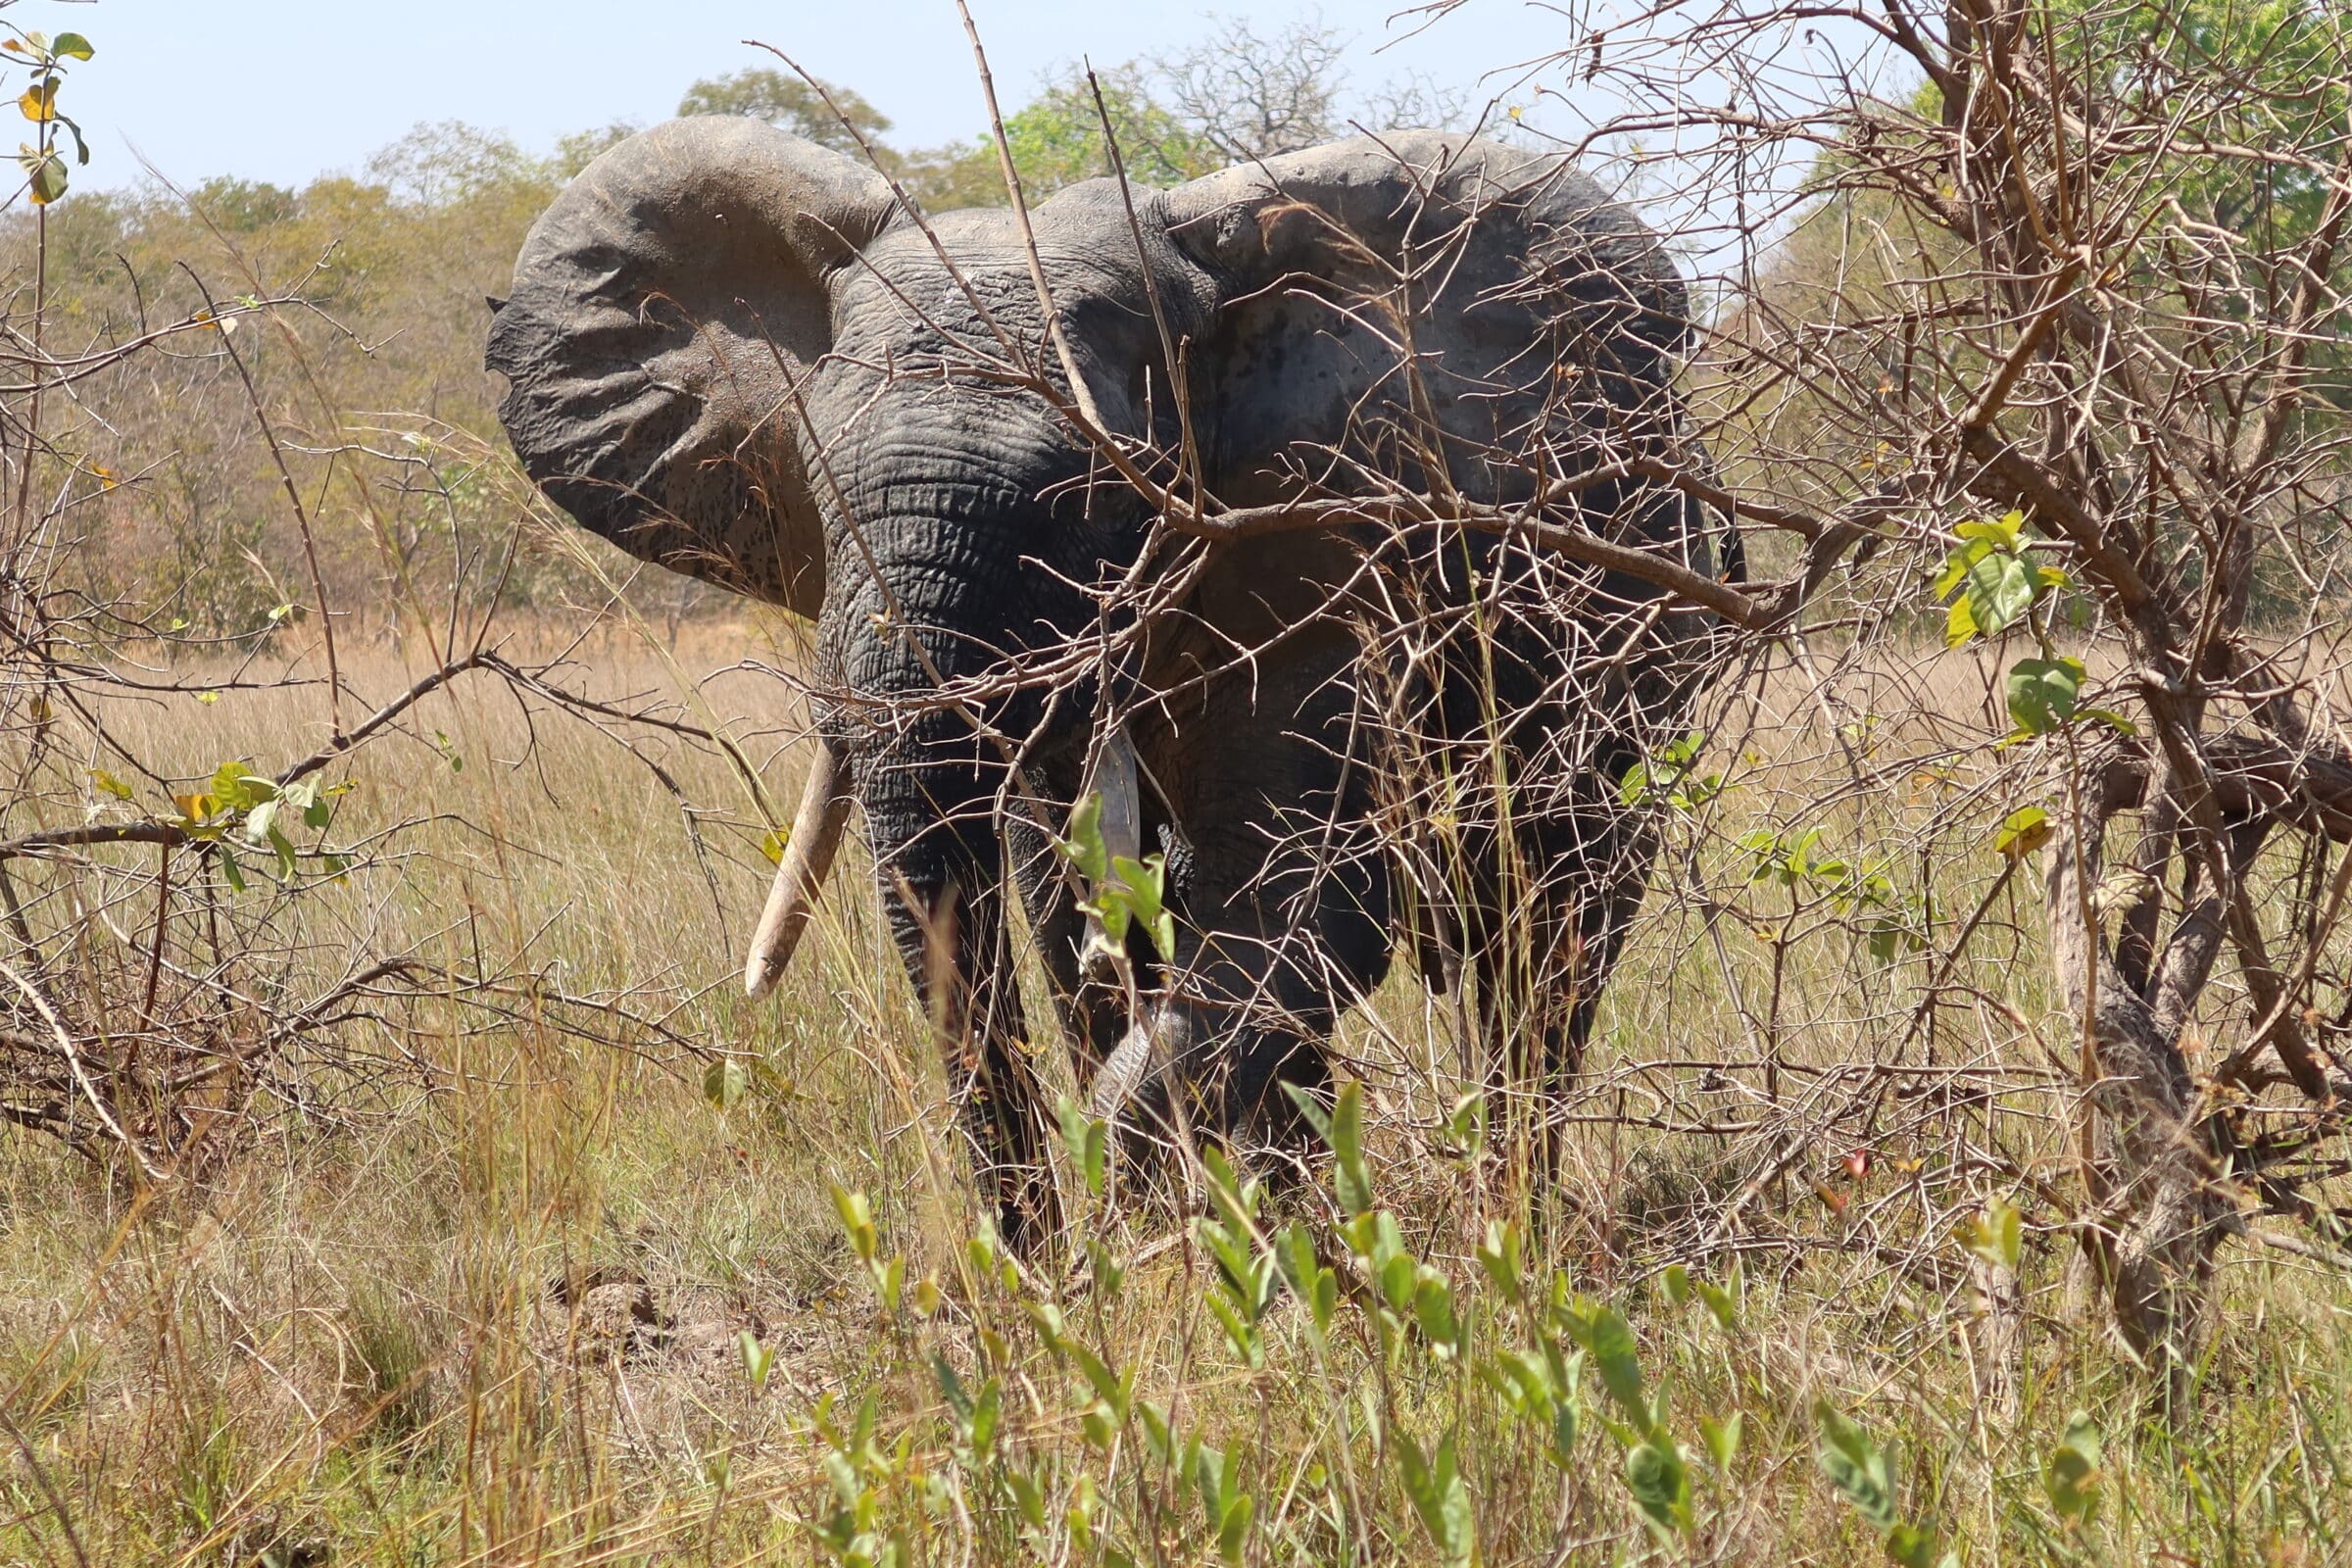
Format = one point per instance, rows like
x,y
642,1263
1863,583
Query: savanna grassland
x,y
393,1172
539,1297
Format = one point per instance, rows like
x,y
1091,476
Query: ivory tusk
x,y
1122,1075
800,875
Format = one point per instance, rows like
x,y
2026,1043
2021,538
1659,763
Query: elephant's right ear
x,y
664,309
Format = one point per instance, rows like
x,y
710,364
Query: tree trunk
x,y
2157,1216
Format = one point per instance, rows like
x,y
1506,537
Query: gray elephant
x,y
742,356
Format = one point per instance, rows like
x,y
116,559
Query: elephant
x,y
1209,503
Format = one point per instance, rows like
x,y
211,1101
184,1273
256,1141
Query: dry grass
x,y
497,1320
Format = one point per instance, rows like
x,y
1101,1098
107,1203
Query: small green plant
x,y
1863,1472
1671,777
1865,892
1125,892
860,1473
1988,581
1995,1235
1991,585
1243,1286
887,1275
1434,1484
2071,1475
45,178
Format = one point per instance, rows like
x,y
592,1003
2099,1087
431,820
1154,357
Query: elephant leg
x,y
944,891
1584,956
1542,972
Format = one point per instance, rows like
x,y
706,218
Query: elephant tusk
x,y
1116,777
1122,1074
801,874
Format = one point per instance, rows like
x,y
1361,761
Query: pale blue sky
x,y
285,90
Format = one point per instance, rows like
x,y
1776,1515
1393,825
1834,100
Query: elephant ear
x,y
1535,310
664,310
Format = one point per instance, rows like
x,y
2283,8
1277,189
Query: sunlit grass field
x,y
709,1287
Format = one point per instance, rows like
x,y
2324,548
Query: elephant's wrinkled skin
x,y
732,353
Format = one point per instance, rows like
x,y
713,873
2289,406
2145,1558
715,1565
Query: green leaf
x,y
1996,1234
2000,532
1308,1280
1027,1497
231,873
238,788
1156,1435
2000,590
1232,1530
1722,1440
1352,1176
1435,1485
2071,1475
1211,1475
1721,1304
1467,1125
2022,831
1956,565
857,1223
1676,1281
1144,884
1610,1341
71,46
1432,1310
726,1081
109,784
1084,849
2112,719
283,848
1500,1256
1654,1473
951,1388
757,1360
1088,1141
1860,1471
1912,1545
2043,692
1396,1278
46,172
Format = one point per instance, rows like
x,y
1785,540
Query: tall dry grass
x,y
502,1317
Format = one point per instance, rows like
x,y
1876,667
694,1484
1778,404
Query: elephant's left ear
x,y
1522,290
664,309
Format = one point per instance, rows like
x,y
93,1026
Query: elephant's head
x,y
736,353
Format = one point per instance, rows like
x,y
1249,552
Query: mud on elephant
x,y
1201,548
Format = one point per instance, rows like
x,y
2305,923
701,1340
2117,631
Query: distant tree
x,y
1057,140
242,206
581,148
1251,96
781,100
449,160
1417,101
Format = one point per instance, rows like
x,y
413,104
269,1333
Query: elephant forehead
x,y
904,280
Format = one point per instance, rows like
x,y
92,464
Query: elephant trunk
x,y
801,874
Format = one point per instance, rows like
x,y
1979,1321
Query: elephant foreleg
x,y
953,934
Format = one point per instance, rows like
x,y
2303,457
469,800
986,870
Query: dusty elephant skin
x,y
735,354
